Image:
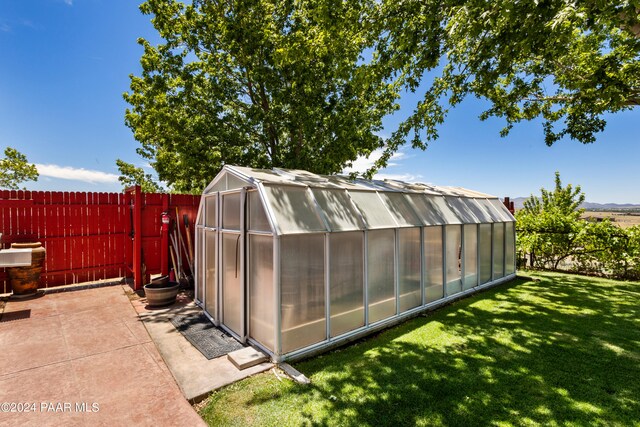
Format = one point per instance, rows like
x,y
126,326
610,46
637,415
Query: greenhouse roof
x,y
298,201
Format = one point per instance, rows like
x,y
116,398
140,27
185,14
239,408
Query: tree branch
x,y
632,101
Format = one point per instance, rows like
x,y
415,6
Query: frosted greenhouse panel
x,y
433,263
502,210
510,243
199,278
400,208
409,269
478,211
372,209
231,211
425,209
454,259
261,292
485,253
233,182
338,209
302,295
257,218
231,288
200,214
346,281
381,274
211,280
498,250
462,209
443,209
219,186
470,258
490,210
294,209
211,204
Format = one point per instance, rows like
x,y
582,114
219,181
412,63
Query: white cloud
x,y
362,164
76,174
395,158
4,27
68,2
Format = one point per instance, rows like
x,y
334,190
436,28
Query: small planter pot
x,y
161,294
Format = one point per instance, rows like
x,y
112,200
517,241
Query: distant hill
x,y
609,206
519,201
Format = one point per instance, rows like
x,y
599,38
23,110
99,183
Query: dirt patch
x,y
133,295
621,219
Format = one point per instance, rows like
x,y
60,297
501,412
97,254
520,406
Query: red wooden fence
x,y
92,236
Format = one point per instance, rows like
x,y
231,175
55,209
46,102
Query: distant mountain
x,y
519,201
608,206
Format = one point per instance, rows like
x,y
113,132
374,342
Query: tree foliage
x,y
261,83
611,251
16,169
306,84
566,62
550,230
131,175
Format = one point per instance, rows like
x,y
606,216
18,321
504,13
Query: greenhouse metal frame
x,y
297,263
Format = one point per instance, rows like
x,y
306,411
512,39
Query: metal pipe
x,y
327,286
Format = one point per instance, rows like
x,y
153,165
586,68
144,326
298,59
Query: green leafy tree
x,y
260,83
549,227
131,175
551,230
16,169
565,62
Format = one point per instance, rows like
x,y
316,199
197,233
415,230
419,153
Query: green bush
x,y
552,236
616,252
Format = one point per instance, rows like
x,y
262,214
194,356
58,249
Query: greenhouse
x,y
296,263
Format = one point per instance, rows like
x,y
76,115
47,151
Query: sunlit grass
x,y
552,350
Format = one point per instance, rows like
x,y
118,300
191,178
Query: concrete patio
x,y
196,376
84,358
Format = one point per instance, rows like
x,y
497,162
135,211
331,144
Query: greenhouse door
x,y
232,262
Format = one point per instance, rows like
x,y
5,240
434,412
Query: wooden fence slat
x,y
13,221
4,285
92,229
6,218
75,236
65,223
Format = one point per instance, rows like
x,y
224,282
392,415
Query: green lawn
x,y
560,350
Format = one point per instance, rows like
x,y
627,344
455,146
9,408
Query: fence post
x,y
137,238
164,242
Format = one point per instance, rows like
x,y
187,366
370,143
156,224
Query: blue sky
x,y
66,63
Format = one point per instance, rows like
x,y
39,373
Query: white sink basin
x,y
15,257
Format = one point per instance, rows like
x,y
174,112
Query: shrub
x,y
551,235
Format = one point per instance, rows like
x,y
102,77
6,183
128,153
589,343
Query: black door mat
x,y
211,341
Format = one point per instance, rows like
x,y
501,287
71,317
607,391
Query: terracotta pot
x,y
25,280
159,295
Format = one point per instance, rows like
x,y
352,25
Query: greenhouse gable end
x,y
296,263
